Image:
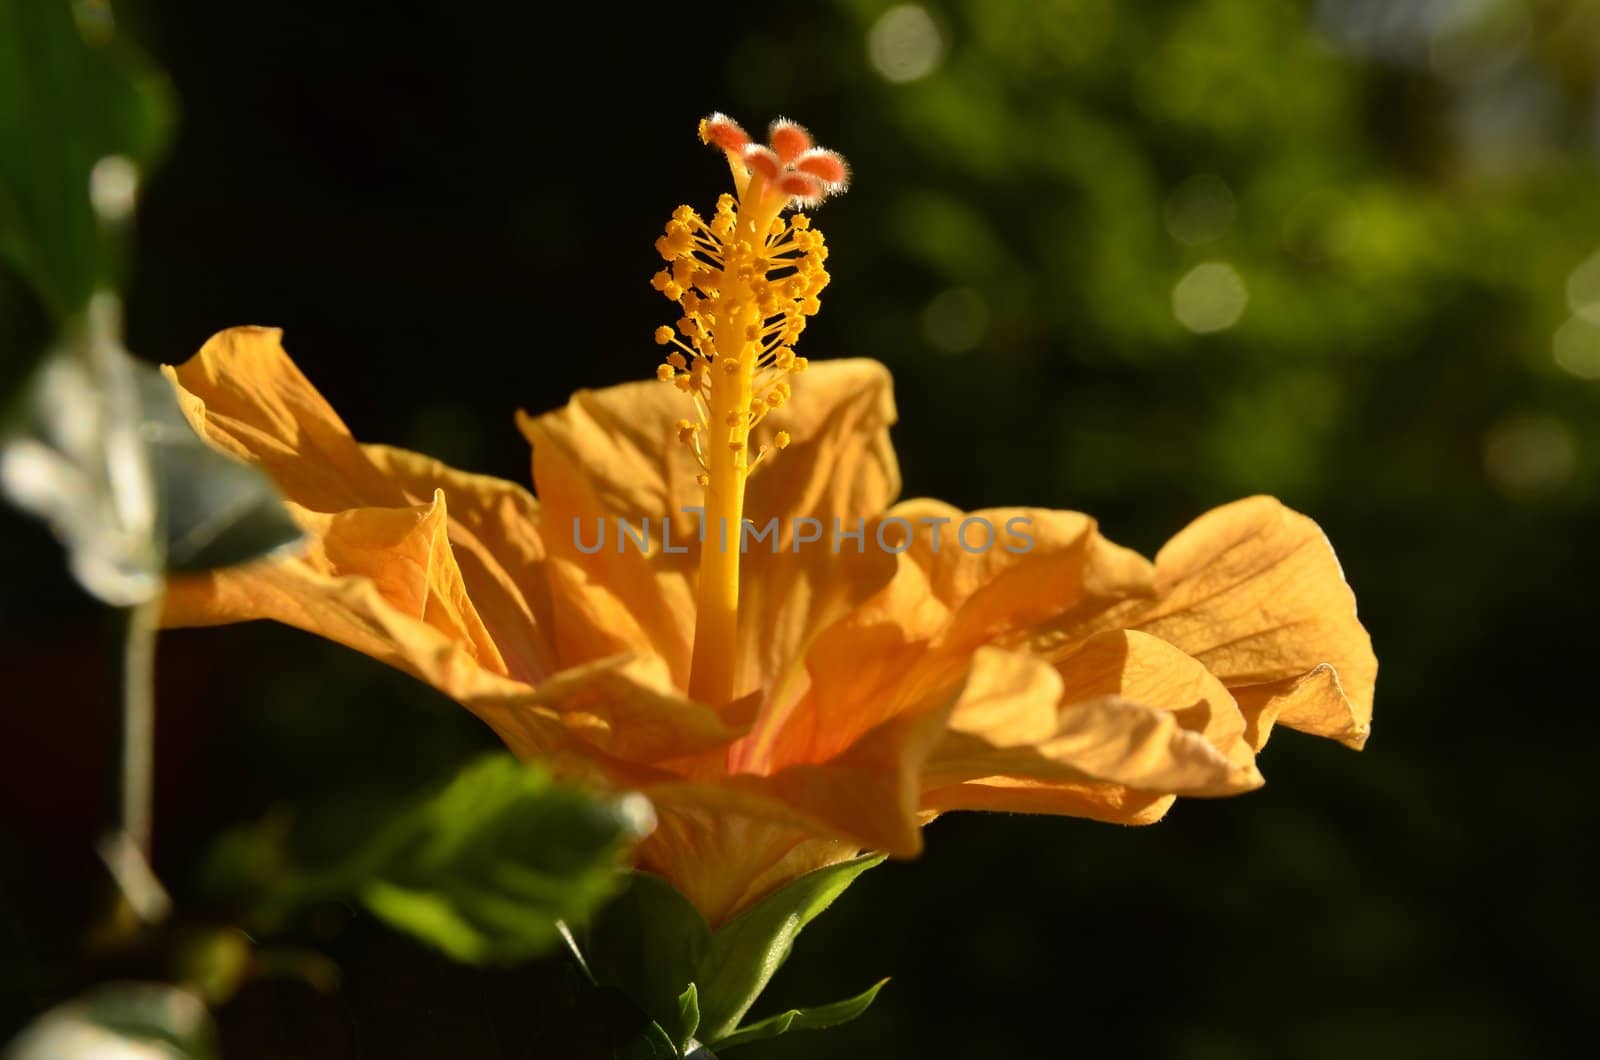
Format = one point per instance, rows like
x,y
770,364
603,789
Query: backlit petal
x,y
244,395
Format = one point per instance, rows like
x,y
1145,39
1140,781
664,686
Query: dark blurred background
x,y
1134,259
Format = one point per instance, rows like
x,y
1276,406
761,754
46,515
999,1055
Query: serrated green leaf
x,y
749,949
815,1018
486,867
71,94
121,1019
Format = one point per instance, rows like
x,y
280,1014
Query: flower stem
x,y
137,739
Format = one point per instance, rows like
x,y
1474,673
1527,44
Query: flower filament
x,y
746,280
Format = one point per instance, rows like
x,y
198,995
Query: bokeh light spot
x,y
955,320
1577,347
1210,297
1529,456
905,44
1583,289
114,188
1200,210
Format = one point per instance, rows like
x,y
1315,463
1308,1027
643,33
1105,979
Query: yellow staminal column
x,y
727,467
716,630
735,327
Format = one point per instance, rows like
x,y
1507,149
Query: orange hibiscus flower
x,y
791,665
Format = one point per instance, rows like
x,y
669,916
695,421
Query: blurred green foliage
x,y
485,867
72,93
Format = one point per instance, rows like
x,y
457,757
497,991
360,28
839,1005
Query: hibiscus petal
x,y
1004,571
1146,670
1253,591
1105,757
612,454
382,581
244,395
494,535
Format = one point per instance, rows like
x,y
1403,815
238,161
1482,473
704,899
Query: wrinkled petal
x,y
1147,670
1253,591
859,672
1014,568
839,470
494,535
949,595
724,861
612,455
244,395
1095,758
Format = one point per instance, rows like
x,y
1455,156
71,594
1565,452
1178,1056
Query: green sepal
x,y
815,1018
747,951
650,942
653,945
688,1017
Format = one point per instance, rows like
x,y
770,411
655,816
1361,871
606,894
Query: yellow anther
x,y
730,365
660,280
683,214
665,373
733,418
811,306
703,479
799,365
735,445
677,360
782,439
663,335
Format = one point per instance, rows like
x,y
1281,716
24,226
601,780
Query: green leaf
x,y
121,1019
652,1043
72,92
650,943
748,950
688,1017
215,511
655,947
487,867
103,452
802,1019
